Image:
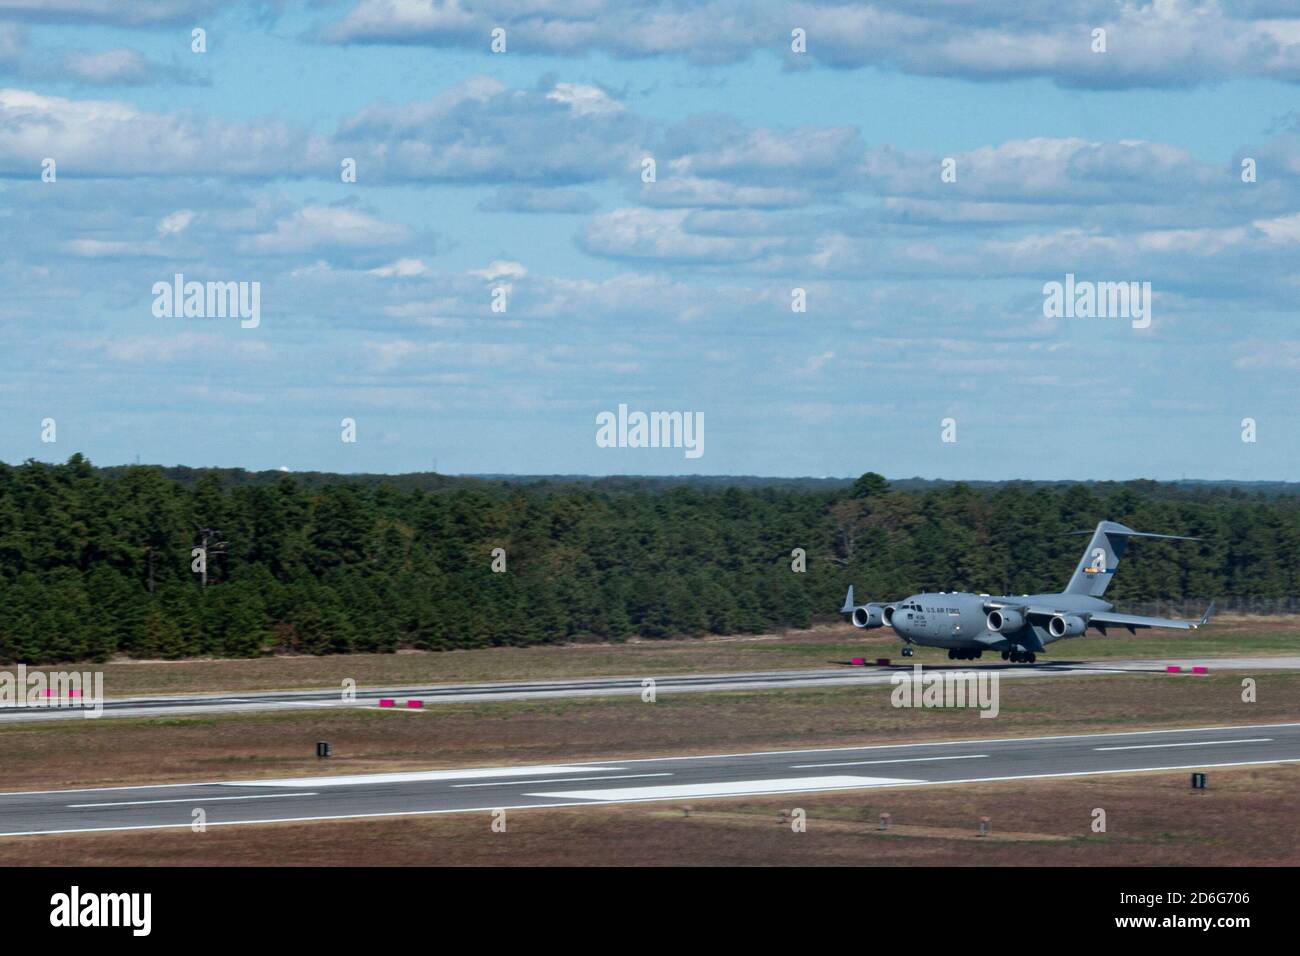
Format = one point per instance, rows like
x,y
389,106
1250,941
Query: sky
x,y
504,269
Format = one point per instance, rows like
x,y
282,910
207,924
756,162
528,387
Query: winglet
x,y
848,602
1205,618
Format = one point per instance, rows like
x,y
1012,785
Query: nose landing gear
x,y
907,652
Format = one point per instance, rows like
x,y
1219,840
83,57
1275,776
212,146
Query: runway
x,y
676,779
431,694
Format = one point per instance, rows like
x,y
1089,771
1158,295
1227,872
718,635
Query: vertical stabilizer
x,y
1101,558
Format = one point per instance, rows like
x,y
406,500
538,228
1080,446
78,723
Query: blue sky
x,y
775,170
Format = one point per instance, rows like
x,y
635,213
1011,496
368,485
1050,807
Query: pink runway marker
x,y
415,703
1200,670
1174,669
74,693
859,660
882,661
385,702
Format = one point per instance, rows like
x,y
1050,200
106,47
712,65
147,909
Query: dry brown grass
x,y
1245,819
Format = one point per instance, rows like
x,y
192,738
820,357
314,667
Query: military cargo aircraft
x,y
1020,627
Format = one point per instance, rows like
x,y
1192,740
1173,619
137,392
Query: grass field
x,y
76,753
818,647
1246,818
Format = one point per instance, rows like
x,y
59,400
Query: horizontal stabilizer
x,y
1130,533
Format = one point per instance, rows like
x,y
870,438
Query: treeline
x,y
96,563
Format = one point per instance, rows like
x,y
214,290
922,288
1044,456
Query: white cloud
x,y
501,269
526,199
12,42
1158,43
176,222
481,131
314,227
402,269
584,100
114,138
113,248
165,349
665,235
690,191
109,66
134,13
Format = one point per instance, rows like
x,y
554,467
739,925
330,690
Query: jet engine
x,y
1005,620
1066,625
869,616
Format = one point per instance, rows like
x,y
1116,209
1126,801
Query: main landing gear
x,y
907,652
965,654
1019,657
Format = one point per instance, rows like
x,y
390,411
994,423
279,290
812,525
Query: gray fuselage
x,y
960,619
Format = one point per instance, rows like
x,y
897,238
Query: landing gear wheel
x,y
1006,655
907,652
1032,658
952,655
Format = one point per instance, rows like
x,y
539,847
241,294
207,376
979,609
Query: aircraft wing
x,y
1104,619
1131,621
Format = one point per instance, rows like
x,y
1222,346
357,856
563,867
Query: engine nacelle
x,y
1005,620
1066,625
869,616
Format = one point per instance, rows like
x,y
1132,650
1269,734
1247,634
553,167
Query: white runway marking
x,y
417,776
729,788
529,783
1194,743
860,763
195,800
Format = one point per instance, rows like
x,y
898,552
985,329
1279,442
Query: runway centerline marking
x,y
1194,743
142,803
861,763
497,783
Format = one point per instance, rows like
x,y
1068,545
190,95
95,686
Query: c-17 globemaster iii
x,y
969,624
